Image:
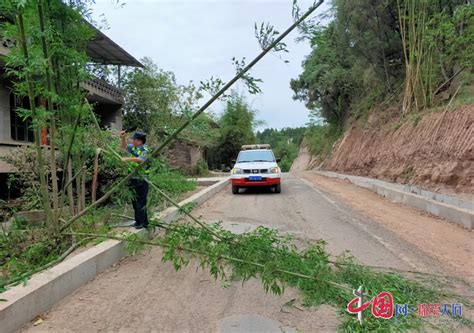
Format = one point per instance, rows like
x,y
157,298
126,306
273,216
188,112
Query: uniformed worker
x,y
138,153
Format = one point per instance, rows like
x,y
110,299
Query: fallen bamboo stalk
x,y
224,257
173,136
180,208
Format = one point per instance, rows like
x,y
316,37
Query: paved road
x,y
143,294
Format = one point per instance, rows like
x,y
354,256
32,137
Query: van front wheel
x,y
277,188
235,189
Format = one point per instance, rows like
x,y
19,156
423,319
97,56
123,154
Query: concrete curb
x,y
207,181
44,289
448,207
171,214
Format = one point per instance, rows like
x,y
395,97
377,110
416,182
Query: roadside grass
x,y
201,169
27,249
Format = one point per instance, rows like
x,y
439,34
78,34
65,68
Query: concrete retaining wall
x,y
44,289
449,207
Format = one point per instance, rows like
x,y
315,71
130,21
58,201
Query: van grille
x,y
255,170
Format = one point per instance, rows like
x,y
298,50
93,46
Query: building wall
x,y
6,143
110,115
4,114
3,49
184,156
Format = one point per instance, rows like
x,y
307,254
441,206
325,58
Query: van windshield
x,y
255,156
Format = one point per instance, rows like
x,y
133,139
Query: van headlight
x,y
237,171
274,170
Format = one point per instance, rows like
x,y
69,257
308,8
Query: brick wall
x,y
184,155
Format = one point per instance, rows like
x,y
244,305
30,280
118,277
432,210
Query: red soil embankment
x,y
436,153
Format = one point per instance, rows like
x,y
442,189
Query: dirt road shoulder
x,y
444,241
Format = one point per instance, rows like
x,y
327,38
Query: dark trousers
x,y
140,187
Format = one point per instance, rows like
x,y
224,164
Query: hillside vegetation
x,y
284,142
415,55
381,64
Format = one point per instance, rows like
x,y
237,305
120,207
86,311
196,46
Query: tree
x,y
327,82
437,39
285,143
236,128
151,97
370,28
157,104
370,49
47,63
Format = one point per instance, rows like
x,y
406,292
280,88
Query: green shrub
x,y
201,168
172,182
321,138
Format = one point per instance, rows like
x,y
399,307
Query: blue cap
x,y
140,136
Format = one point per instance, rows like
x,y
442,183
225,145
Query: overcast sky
x,y
196,39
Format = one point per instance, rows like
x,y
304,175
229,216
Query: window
x,y
21,130
256,156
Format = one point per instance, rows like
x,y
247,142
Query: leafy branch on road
x,y
278,263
